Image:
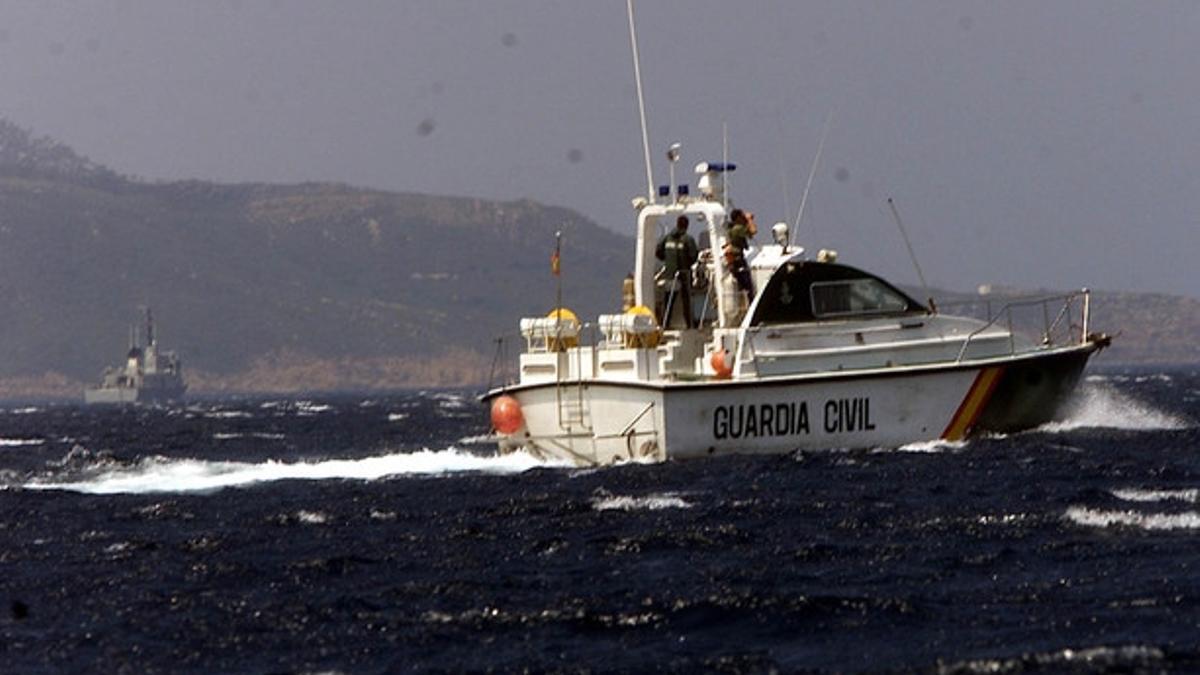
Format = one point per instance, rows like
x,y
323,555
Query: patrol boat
x,y
148,375
825,355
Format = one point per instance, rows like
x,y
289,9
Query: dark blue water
x,y
358,535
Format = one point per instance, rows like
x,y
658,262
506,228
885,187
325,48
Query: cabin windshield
x,y
854,296
810,291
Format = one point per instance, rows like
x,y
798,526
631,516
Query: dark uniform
x,y
678,252
738,241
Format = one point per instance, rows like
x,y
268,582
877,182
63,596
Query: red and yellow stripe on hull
x,y
973,404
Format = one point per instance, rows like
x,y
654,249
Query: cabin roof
x,y
808,291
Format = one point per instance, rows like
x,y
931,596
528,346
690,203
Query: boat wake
x,y
161,474
1098,405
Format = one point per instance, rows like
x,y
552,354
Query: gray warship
x,y
148,375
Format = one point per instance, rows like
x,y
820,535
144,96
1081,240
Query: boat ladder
x,y
573,413
572,410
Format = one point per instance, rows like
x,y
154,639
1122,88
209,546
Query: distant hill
x,y
319,286
253,278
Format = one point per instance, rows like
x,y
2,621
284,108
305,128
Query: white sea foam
x,y
447,400
477,440
312,517
1100,658
653,502
17,442
396,417
24,411
313,407
1100,406
220,436
936,445
160,474
227,414
1080,515
1141,495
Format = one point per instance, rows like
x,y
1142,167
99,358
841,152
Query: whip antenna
x,y
725,159
637,77
911,255
812,173
783,177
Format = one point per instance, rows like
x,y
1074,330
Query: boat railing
x,y
562,338
1061,330
1045,321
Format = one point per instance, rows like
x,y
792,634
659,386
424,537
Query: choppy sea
x,y
367,534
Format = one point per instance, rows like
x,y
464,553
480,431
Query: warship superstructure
x,y
149,375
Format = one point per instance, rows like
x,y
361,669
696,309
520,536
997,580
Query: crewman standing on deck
x,y
741,229
678,252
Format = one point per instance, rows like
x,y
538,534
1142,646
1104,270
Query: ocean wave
x,y
933,446
312,517
653,502
478,440
450,400
1100,406
17,442
311,407
1093,658
227,414
161,474
263,435
1080,515
1143,495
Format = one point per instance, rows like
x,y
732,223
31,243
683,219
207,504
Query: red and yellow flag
x,y
555,266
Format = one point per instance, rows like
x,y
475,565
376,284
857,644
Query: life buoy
x,y
720,364
507,417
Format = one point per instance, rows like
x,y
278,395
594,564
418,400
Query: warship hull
x,y
128,395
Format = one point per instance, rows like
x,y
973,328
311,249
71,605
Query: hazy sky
x,y
1043,143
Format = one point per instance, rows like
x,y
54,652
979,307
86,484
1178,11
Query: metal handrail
x,y
501,361
1067,299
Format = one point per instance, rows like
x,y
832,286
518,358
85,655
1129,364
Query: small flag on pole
x,y
555,265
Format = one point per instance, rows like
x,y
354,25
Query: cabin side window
x,y
852,297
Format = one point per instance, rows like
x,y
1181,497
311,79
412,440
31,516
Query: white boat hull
x,y
600,422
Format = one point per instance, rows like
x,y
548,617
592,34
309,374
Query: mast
x,y
637,76
149,328
811,173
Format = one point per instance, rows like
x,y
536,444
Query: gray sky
x,y
1032,143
